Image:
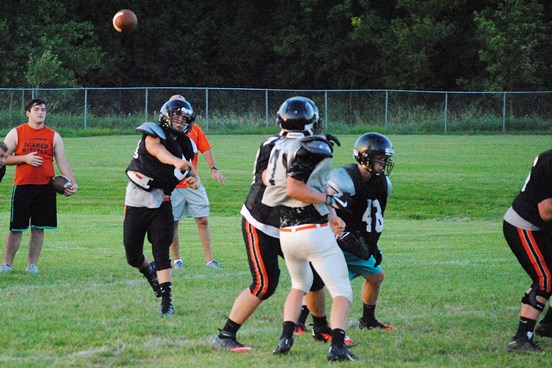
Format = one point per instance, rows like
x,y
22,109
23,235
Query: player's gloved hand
x,y
350,243
378,256
332,138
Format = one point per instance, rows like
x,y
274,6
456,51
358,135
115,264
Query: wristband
x,y
329,200
214,168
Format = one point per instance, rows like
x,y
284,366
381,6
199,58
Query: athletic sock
x,y
303,316
338,337
368,312
319,323
287,330
526,327
231,327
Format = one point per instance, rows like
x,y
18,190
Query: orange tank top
x,y
40,141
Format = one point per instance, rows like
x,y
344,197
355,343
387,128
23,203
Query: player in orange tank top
x,y
33,148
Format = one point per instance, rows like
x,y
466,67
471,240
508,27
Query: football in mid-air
x,y
60,183
125,21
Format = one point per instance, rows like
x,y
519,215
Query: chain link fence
x,y
223,110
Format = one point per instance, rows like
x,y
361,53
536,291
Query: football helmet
x,y
177,107
370,145
299,114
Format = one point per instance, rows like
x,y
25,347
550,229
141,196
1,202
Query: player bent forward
x,y
296,179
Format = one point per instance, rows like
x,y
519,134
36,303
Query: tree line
x,y
499,45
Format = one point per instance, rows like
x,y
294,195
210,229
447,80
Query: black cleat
x,y
523,344
544,330
284,345
341,354
167,307
374,325
226,341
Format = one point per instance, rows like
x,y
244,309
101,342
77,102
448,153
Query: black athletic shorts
x,y
35,204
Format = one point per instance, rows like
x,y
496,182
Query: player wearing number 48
x,y
360,192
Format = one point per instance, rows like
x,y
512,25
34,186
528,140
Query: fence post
x,y
146,98
85,108
206,110
326,110
446,112
266,107
504,112
386,109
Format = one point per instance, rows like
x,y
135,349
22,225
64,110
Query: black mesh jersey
x,y
261,212
537,187
367,205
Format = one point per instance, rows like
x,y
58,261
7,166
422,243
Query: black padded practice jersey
x,y
164,176
537,187
258,210
366,208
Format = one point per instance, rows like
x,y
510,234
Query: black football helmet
x,y
177,107
299,114
370,145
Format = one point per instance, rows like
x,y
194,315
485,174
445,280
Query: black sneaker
x,y
325,335
544,330
374,325
225,341
167,307
523,344
283,346
341,354
151,276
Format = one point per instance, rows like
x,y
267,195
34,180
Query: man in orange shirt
x,y
195,203
33,147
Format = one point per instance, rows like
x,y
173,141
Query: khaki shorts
x,y
190,202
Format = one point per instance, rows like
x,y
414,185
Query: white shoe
x,y
6,268
213,264
32,268
178,263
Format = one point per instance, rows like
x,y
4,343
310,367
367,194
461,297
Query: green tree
x,y
511,36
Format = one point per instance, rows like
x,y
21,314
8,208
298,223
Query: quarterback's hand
x,y
337,225
191,182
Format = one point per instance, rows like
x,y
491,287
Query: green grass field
x,y
452,286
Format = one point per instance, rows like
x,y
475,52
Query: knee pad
x,y
135,260
530,298
163,265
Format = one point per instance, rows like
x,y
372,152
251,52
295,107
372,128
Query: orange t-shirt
x,y
197,135
40,141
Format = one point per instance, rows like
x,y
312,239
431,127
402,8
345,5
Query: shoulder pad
x,y
341,182
317,145
389,186
152,129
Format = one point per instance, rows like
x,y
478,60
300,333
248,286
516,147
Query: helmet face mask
x,y
373,149
177,111
299,114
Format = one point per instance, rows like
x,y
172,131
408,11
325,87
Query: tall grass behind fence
x,y
227,110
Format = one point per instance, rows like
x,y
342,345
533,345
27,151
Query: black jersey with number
x,y
366,208
259,211
163,175
537,187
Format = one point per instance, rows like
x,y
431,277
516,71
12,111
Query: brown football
x,y
60,183
125,21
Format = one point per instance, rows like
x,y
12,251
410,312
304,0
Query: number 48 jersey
x,y
363,212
